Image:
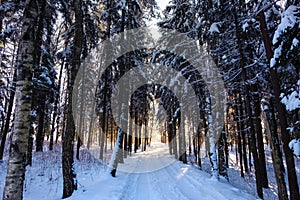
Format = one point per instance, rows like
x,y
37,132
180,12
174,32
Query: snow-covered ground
x,y
152,174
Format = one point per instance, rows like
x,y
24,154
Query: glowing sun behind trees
x,y
122,64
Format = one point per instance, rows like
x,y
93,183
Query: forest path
x,y
154,174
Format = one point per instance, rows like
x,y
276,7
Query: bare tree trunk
x,y
135,132
292,177
239,139
221,155
146,137
39,97
90,132
243,134
8,116
16,164
130,136
140,135
103,136
181,133
190,141
40,133
64,116
80,132
55,110
104,123
184,159
174,138
198,149
169,132
276,152
212,143
180,142
248,107
117,153
69,182
260,142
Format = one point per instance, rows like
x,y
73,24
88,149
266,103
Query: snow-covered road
x,y
155,174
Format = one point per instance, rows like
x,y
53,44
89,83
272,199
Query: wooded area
x,y
254,45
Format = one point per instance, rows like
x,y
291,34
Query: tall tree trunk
x,y
190,141
212,143
221,155
146,137
80,131
184,158
198,149
8,116
104,122
64,116
243,134
130,136
55,110
285,137
117,153
239,138
260,141
276,152
200,136
69,182
174,138
180,142
170,134
40,133
140,135
135,132
33,116
102,137
38,96
182,155
9,104
16,164
248,107
90,131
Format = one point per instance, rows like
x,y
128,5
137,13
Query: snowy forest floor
x,y
152,174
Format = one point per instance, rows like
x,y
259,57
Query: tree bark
x,y
80,131
212,143
285,137
69,181
40,133
221,155
260,141
135,132
174,138
56,106
117,153
239,138
243,134
248,107
8,116
276,152
17,156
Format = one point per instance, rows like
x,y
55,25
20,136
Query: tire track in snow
x,y
203,186
142,186
174,181
131,180
173,192
187,189
167,190
199,189
149,185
